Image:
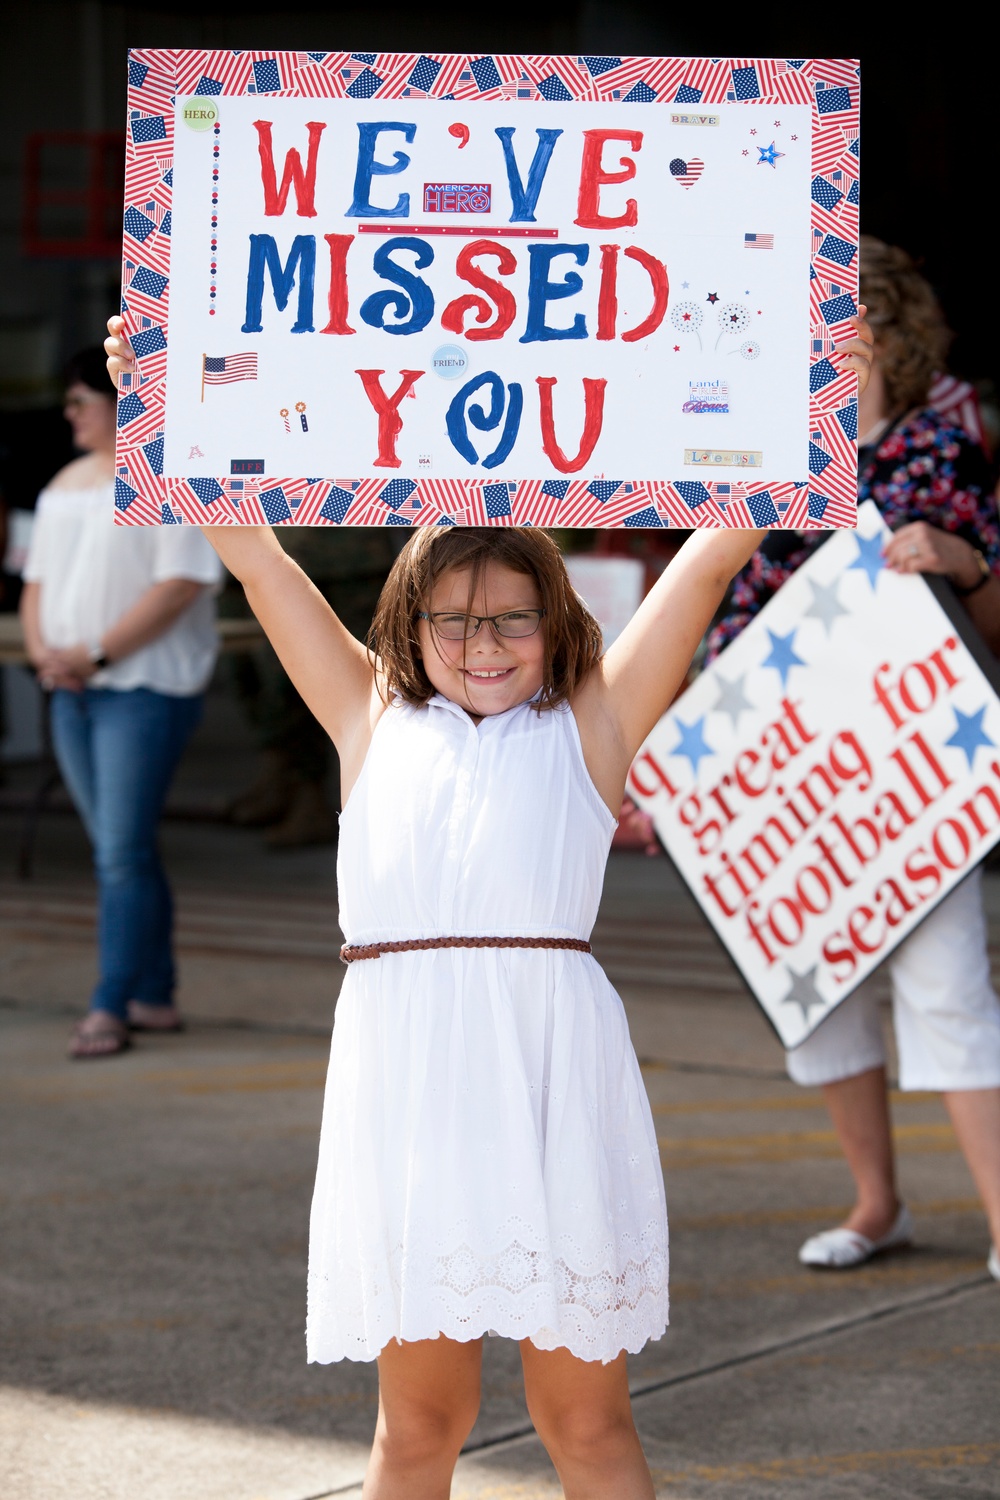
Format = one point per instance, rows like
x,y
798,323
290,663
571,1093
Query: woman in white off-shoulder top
x,y
119,624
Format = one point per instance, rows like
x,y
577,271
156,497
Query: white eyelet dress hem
x,y
488,1161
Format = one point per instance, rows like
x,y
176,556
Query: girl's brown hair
x,y
573,643
911,334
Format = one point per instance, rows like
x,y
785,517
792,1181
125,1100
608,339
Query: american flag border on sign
x,y
823,498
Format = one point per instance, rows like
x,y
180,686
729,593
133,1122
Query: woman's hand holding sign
x,y
857,354
121,360
920,548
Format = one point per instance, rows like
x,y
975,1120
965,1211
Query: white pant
x,y
945,1011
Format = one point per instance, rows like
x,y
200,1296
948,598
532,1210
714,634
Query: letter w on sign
x,y
831,776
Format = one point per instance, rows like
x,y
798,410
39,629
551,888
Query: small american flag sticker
x,y
224,369
758,242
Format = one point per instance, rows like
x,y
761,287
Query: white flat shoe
x,y
843,1249
993,1263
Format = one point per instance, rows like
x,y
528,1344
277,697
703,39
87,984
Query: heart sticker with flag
x,y
687,172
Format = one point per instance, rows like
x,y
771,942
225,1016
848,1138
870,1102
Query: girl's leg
x,y
975,1114
428,1400
583,1415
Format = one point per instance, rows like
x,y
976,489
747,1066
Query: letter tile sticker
x,y
487,290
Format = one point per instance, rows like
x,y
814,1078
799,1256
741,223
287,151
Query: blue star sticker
x,y
969,733
869,558
769,155
692,743
783,657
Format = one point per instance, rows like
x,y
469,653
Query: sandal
x,y
100,1034
145,1017
843,1249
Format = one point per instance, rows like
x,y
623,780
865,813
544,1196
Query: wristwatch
x,y
984,576
98,659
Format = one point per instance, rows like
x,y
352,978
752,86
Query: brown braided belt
x,y
351,952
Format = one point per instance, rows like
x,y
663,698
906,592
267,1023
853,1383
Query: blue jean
x,y
117,752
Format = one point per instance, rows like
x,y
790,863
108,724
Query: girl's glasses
x,y
515,624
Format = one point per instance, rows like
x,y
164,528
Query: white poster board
x,y
409,289
830,777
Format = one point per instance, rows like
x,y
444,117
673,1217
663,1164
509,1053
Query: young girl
x,y
488,1160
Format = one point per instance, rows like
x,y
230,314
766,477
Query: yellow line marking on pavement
x,y
921,1358
116,1325
882,1274
805,1100
160,1188
830,1213
680,1152
950,1456
225,1078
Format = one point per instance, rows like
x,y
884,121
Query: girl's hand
x,y
919,548
121,360
857,354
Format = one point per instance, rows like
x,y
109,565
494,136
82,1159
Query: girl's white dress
x,y
488,1161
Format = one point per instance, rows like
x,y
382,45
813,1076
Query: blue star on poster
x,y
869,559
969,733
692,743
769,155
782,655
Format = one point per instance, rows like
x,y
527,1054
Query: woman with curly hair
x,y
931,483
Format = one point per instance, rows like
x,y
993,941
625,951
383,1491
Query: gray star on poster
x,y
732,700
825,605
803,992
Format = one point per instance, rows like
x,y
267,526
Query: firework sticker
x,y
732,319
687,317
471,267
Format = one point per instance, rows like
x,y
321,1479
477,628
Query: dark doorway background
x,y
929,104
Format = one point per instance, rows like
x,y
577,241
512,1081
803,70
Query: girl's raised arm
x,y
329,667
648,662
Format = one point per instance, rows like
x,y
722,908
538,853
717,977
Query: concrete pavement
x,y
154,1212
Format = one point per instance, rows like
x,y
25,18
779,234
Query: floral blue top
x,y
924,469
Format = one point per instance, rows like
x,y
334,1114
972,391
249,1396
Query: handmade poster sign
x,y
830,778
586,291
